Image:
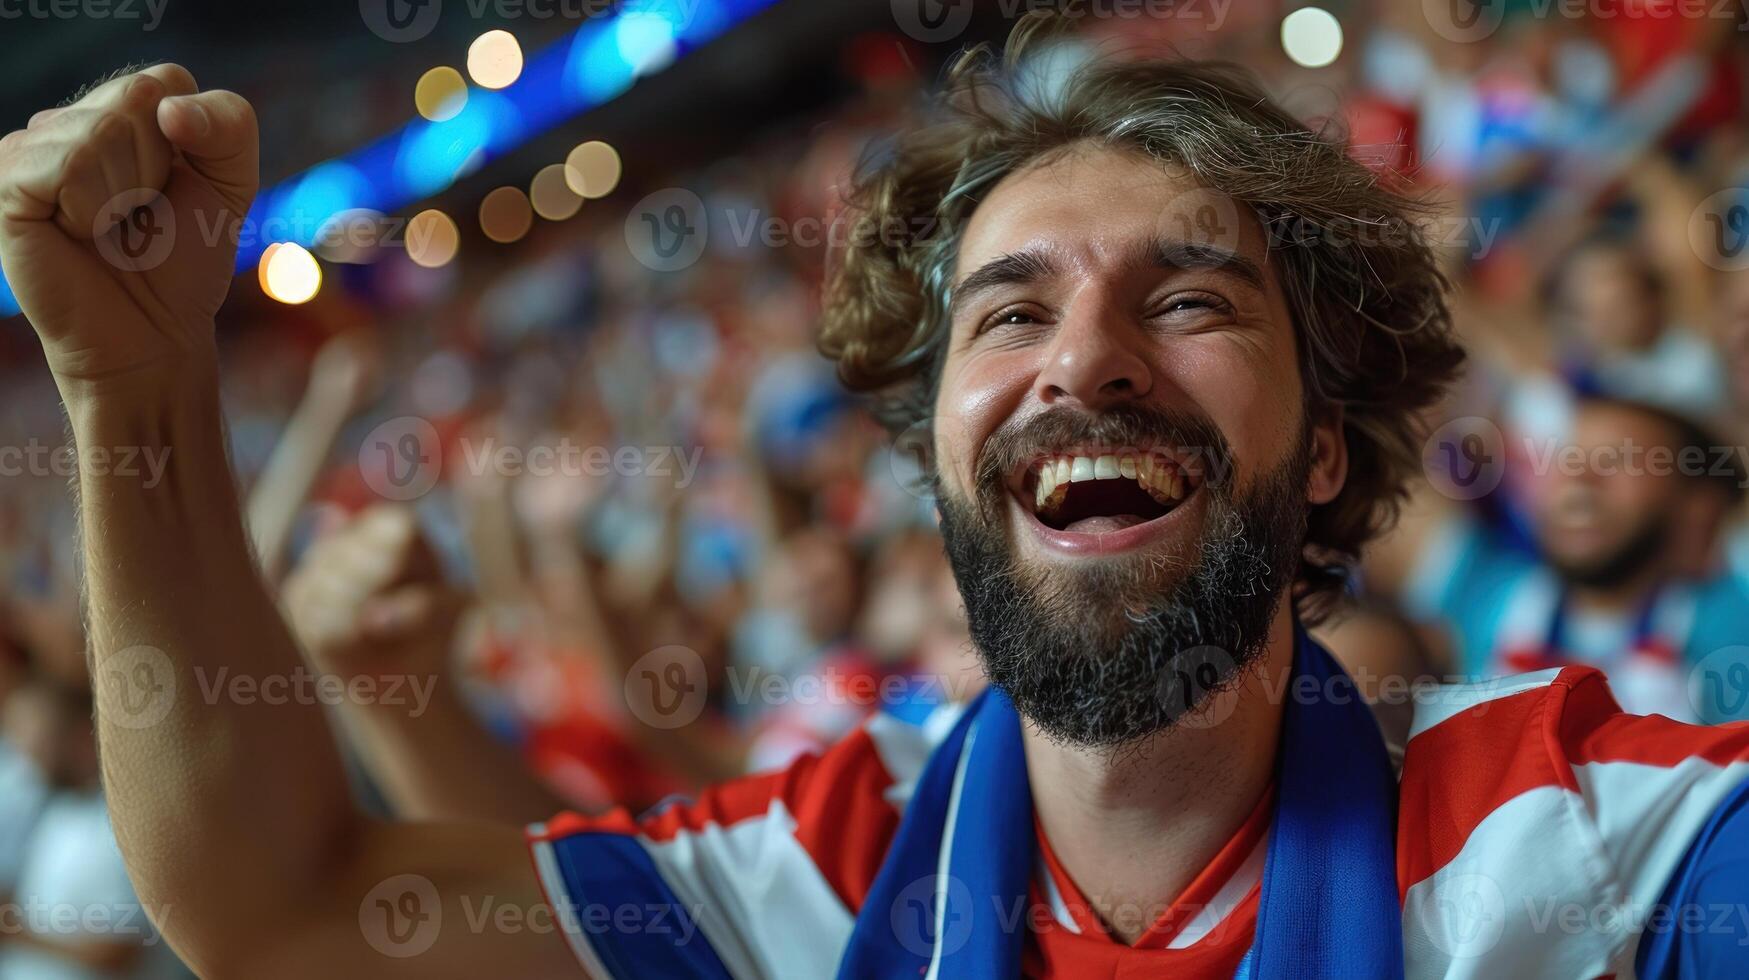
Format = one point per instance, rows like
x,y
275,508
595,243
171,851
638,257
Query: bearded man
x,y
1169,347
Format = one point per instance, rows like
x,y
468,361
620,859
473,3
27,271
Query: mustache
x,y
1126,425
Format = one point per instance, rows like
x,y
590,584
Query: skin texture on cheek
x,y
968,407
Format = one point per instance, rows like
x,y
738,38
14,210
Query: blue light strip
x,y
595,65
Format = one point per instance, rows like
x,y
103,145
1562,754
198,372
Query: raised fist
x,y
370,599
119,218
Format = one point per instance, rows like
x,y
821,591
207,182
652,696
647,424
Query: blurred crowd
x,y
601,532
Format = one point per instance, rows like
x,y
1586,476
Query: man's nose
x,y
1094,361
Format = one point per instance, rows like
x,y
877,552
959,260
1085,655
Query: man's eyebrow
x,y
1033,265
1014,268
1173,253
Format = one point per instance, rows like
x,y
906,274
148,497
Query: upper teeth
x,y
1160,476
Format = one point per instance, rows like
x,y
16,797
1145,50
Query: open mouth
x,y
1093,491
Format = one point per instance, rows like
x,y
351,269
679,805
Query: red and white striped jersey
x,y
1537,826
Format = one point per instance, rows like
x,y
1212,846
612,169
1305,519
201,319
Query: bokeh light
x,y
505,215
289,273
1311,36
593,169
432,238
551,197
494,59
441,94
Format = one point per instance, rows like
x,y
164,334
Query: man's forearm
x,y
176,611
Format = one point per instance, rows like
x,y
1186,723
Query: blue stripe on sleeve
x,y
633,920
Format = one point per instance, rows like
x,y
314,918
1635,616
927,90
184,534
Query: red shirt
x,y
1204,933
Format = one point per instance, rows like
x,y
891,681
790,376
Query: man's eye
x,y
1009,318
1192,302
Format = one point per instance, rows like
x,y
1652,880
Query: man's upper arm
x,y
758,877
424,901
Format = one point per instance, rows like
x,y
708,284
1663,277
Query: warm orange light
x,y
432,238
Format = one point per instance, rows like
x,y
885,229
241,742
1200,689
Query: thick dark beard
x,y
1620,567
1126,649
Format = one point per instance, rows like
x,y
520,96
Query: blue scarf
x,y
950,898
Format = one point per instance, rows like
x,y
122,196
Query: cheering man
x,y
1169,346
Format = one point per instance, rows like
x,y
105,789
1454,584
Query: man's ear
x,y
1329,469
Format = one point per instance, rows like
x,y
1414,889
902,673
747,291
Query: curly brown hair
x,y
1361,279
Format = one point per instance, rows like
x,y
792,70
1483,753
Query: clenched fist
x,y
370,599
118,221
